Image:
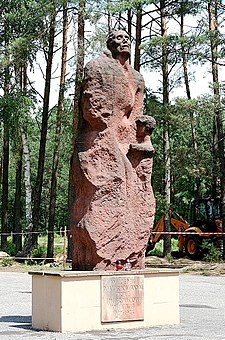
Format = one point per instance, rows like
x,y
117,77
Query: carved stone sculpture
x,y
113,205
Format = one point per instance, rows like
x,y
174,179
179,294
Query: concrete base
x,y
69,301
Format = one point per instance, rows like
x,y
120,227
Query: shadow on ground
x,y
22,321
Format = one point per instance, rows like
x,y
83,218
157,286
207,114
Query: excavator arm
x,y
180,224
157,231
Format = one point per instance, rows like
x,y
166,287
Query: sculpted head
x,y
118,43
145,125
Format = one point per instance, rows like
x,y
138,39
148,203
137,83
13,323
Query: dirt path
x,y
188,266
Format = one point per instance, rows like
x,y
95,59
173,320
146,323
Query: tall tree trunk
x,y
109,17
21,84
17,227
119,21
218,123
44,126
5,188
166,146
1,163
28,194
129,22
52,204
212,5
27,176
188,92
138,39
76,111
79,65
5,163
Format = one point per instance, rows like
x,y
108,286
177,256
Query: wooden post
x,y
64,249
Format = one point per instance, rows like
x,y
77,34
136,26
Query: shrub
x,y
212,253
10,248
39,252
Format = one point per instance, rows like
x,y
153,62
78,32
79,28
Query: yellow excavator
x,y
204,224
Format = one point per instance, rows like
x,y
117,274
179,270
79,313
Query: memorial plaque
x,y
122,298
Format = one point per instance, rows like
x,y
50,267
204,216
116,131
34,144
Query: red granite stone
x,y
113,205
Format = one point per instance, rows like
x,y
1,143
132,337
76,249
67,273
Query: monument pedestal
x,y
70,301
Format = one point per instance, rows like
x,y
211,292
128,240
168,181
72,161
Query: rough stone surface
x,y
113,204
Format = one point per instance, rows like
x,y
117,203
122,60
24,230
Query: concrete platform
x,y
70,301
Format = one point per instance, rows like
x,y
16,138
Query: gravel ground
x,y
202,309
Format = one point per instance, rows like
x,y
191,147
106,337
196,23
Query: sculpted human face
x,y
120,43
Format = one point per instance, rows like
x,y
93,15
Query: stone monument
x,y
112,208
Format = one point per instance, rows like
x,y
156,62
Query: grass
x,y
38,254
58,243
8,264
158,250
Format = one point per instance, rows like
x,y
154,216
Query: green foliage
x,y
20,50
58,249
58,244
14,108
158,250
185,7
187,164
25,22
10,248
115,7
96,42
39,252
63,169
213,253
6,262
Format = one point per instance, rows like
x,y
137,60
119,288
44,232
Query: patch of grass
x,y
6,262
58,243
158,250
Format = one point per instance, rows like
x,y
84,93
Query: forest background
x,y
178,46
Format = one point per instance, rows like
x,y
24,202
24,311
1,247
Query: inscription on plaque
x,y
122,298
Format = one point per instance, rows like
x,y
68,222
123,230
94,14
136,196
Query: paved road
x,y
202,309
